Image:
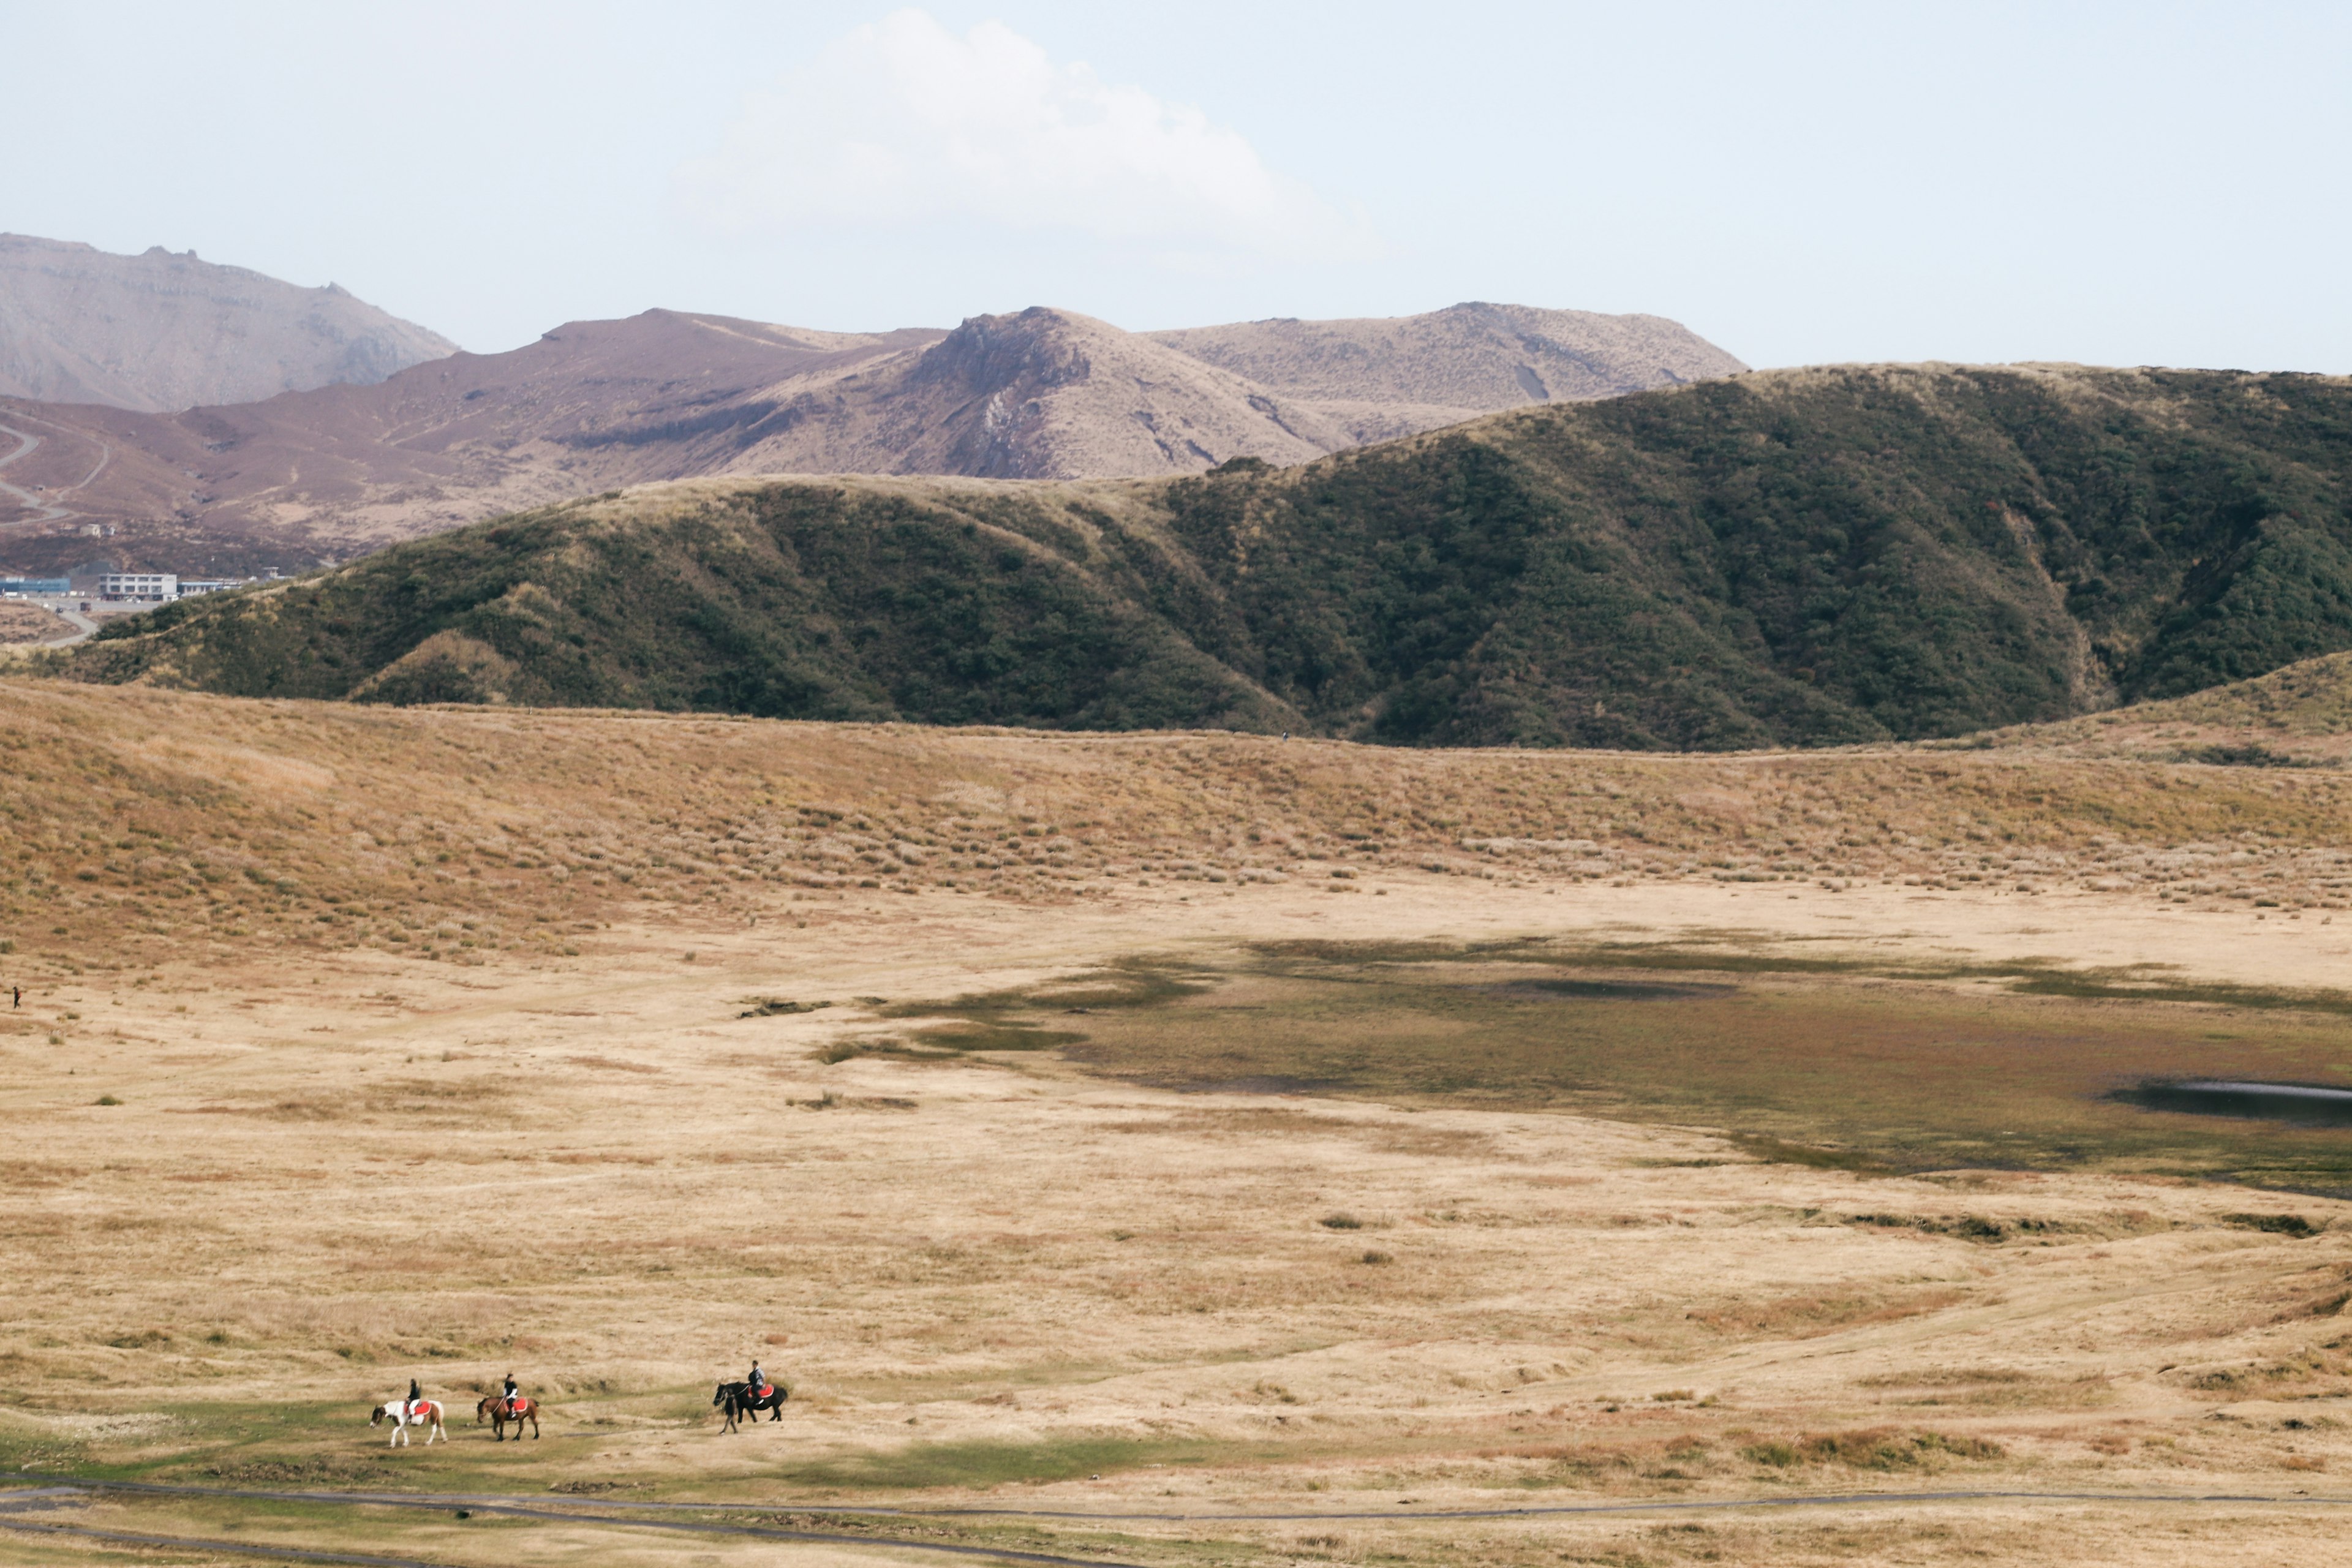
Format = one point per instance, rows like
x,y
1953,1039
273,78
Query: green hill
x,y
1786,558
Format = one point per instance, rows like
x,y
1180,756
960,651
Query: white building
x,y
143,586
192,586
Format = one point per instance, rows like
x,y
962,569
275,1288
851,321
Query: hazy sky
x,y
2123,184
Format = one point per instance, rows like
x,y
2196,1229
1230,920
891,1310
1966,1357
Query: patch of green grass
x,y
1738,954
1136,982
1780,1151
2292,1225
1811,1069
996,1036
313,1445
984,1464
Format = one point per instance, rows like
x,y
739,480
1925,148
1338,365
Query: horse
x,y
499,1413
737,1401
427,1412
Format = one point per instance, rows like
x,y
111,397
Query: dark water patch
x,y
1521,950
2300,1104
1609,990
1260,1083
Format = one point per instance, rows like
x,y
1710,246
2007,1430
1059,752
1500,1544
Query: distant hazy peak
x,y
1474,357
164,330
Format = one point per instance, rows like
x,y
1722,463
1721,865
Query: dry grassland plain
x,y
1198,1149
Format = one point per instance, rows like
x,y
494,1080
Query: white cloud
x,y
902,123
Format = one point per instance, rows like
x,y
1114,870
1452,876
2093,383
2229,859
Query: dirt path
x,y
493,1502
520,1510
198,1543
44,511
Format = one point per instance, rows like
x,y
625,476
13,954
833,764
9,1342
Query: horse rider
x,y
415,1398
513,1394
758,1387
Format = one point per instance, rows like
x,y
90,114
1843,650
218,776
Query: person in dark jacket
x,y
415,1398
513,1396
758,1380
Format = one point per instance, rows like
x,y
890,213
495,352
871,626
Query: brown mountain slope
x,y
590,406
1042,394
160,330
595,405
1385,377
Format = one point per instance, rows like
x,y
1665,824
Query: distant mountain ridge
x,y
1801,557
160,332
594,405
1383,377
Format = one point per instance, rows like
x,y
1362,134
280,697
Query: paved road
x,y
84,627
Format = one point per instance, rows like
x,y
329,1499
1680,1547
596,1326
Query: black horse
x,y
738,1402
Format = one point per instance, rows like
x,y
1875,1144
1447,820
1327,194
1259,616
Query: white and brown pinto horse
x,y
498,1412
402,1415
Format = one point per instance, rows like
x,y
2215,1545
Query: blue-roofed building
x,y
35,585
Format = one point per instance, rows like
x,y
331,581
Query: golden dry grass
x,y
159,819
21,623
335,1160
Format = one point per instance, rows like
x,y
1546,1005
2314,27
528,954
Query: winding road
x,y
48,511
45,511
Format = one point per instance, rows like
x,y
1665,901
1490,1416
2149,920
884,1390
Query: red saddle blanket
x,y
764,1389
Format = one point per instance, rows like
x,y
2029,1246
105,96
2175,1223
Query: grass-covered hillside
x,y
1795,557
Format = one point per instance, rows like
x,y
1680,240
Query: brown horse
x,y
498,1412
